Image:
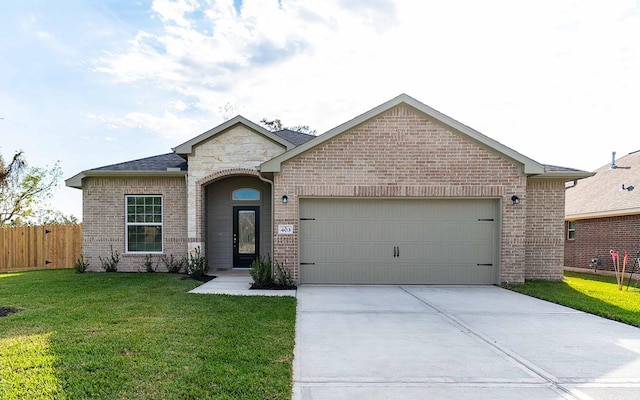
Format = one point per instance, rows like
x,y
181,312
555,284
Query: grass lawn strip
x,y
140,336
594,294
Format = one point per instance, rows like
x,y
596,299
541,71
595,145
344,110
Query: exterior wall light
x,y
285,199
515,199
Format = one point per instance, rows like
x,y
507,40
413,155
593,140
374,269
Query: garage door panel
x,y
398,241
383,273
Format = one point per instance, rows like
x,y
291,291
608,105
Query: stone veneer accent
x,y
103,203
237,151
402,153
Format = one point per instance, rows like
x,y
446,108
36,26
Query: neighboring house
x,y
400,194
603,214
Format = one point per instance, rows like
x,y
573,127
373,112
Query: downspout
x,y
273,202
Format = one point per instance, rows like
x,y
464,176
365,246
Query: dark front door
x,y
246,236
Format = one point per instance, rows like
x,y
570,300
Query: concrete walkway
x,y
237,283
454,342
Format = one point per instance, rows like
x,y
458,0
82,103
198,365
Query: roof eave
x,y
563,175
76,180
602,214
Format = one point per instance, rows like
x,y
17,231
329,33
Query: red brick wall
x,y
403,154
544,249
103,211
599,235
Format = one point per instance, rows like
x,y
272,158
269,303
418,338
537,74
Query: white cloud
x,y
174,11
167,125
521,73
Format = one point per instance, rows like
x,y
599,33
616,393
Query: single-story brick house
x,y
399,194
603,214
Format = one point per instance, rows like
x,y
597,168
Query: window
x,y
571,230
245,194
144,224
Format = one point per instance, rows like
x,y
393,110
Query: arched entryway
x,y
237,221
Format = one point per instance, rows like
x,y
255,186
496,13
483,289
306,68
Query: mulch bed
x,y
4,311
272,287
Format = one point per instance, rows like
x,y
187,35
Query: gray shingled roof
x,y
297,138
603,195
172,160
155,163
555,168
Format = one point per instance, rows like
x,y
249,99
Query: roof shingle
x,y
154,163
611,191
297,138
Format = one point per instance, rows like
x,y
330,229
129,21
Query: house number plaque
x,y
285,229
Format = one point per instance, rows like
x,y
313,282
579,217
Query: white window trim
x,y
127,224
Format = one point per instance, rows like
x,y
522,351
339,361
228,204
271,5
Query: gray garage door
x,y
370,241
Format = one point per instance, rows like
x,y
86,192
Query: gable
x,y
236,147
401,147
188,146
527,165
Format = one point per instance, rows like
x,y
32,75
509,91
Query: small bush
x,y
261,272
81,265
149,265
284,278
197,264
174,265
110,264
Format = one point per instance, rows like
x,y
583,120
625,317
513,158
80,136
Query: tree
x,y
276,125
272,125
24,190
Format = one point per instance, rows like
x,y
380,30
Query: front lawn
x,y
591,293
140,336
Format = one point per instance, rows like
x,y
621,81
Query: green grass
x,y
140,336
594,294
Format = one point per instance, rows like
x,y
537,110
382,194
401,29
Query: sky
x,y
89,83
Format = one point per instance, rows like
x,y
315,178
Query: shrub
x,y
284,278
174,265
110,264
148,263
197,264
81,265
261,272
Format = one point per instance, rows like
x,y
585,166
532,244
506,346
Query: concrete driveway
x,y
455,342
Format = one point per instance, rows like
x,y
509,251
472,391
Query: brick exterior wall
x,y
544,242
103,211
401,153
238,151
599,235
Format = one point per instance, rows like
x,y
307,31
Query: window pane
x,y
246,232
245,194
144,223
145,238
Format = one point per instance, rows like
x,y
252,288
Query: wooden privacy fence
x,y
40,247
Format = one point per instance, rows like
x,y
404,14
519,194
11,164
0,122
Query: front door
x,y
246,235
